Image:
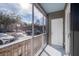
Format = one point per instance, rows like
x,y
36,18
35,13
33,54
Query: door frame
x,y
68,11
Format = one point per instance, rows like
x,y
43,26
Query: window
x,y
18,21
15,21
38,21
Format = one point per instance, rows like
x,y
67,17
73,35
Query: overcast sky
x,y
24,10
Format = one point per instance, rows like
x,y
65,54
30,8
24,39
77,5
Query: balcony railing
x,y
24,47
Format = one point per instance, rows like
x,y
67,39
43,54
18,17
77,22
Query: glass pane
x,y
38,22
15,21
45,24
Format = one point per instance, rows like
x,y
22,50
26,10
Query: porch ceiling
x,y
53,7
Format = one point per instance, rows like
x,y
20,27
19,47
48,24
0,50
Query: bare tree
x,y
7,19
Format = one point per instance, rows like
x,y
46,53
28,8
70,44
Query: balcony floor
x,y
53,50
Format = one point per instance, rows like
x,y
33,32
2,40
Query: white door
x,y
57,31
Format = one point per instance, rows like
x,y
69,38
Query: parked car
x,y
29,32
5,38
20,34
36,32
